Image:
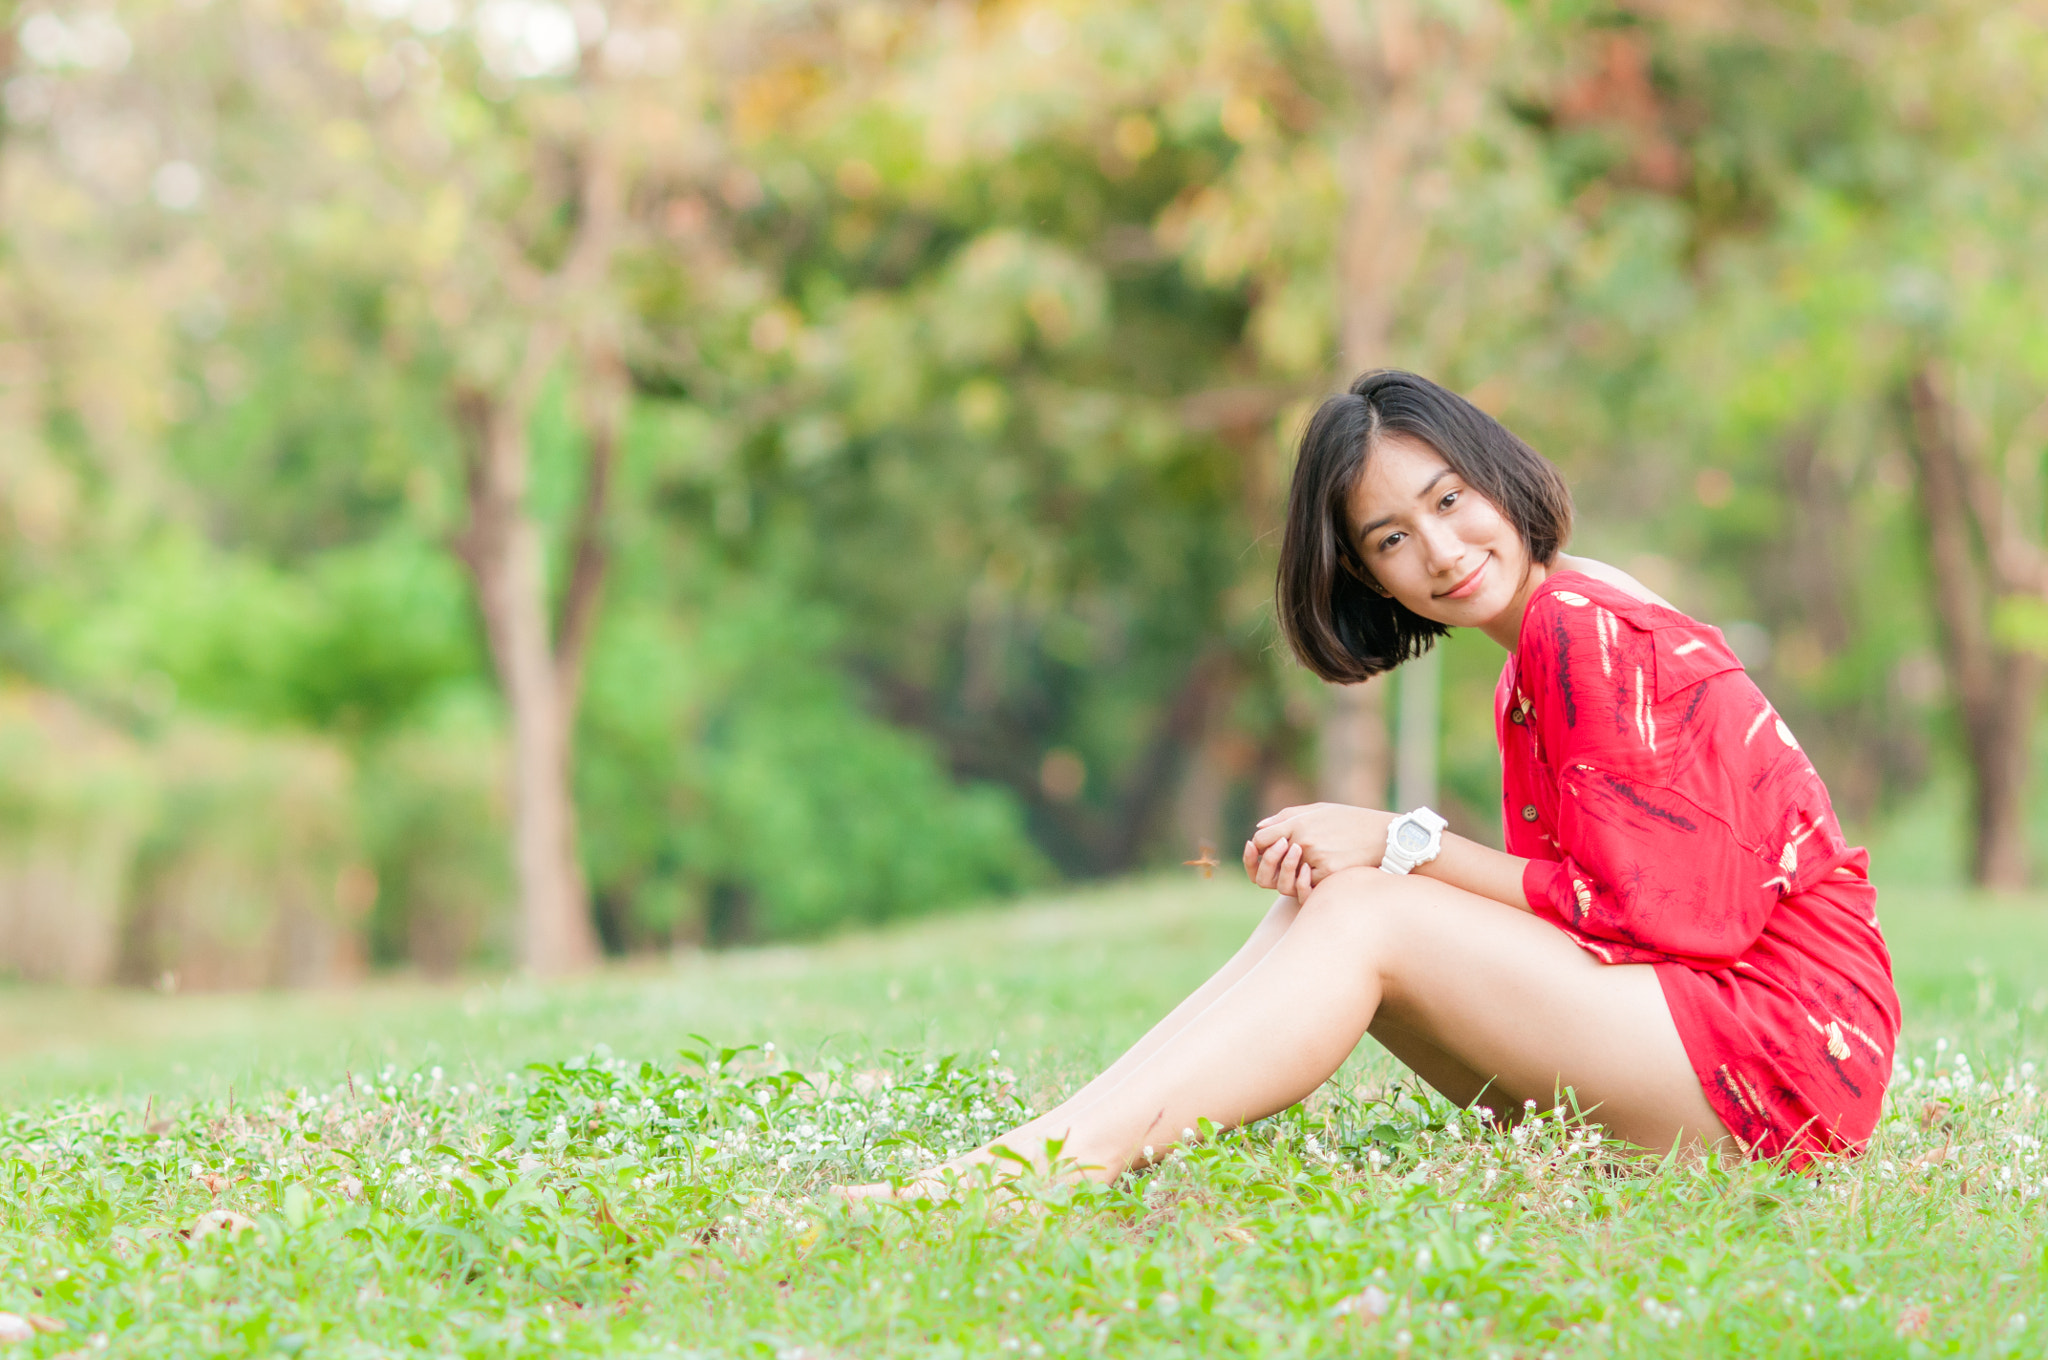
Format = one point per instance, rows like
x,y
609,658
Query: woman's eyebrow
x,y
1427,487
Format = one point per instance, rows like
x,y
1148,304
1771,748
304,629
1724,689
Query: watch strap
x,y
1394,860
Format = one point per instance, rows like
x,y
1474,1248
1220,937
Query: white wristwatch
x,y
1413,840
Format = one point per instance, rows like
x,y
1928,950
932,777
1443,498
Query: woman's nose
x,y
1442,548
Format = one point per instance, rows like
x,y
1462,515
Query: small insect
x,y
1207,863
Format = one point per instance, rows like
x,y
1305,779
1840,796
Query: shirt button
x,y
1529,813
1516,717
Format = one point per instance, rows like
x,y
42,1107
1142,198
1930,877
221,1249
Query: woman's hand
x,y
1298,847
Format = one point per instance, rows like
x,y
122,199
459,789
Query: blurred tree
x,y
517,175
909,382
1874,304
1991,588
539,651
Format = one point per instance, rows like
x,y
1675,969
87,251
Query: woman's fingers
x,y
1269,831
1251,861
1290,864
1303,881
1268,875
1282,815
1269,864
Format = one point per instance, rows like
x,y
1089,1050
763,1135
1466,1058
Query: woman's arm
x,y
1479,869
1319,839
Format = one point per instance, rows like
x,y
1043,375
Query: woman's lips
x,y
1467,587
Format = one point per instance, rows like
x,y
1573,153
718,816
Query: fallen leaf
x,y
15,1327
47,1324
1369,1304
607,1219
219,1220
1913,1319
214,1183
1938,1155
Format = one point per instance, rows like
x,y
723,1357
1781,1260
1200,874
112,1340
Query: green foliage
x,y
797,764
706,757
238,882
76,799
430,801
356,640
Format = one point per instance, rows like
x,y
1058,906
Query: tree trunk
x,y
1353,754
2001,759
502,548
1394,123
1820,542
1977,561
605,395
1152,779
1419,731
540,664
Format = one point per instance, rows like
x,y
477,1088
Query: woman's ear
x,y
1364,578
1358,573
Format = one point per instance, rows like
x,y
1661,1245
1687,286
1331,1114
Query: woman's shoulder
x,y
1583,627
1586,583
1575,601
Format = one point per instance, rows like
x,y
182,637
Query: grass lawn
x,y
498,1168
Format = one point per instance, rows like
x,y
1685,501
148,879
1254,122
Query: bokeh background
x,y
498,484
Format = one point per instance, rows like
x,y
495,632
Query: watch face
x,y
1411,837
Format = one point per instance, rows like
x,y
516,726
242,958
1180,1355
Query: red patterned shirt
x,y
1671,818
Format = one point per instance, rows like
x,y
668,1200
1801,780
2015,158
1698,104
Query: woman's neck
x,y
1506,629
1506,626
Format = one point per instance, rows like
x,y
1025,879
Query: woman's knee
x,y
1279,916
1273,926
1365,905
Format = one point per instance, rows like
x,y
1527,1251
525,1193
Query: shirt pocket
x,y
1687,654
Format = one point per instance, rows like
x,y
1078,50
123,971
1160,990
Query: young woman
x,y
1677,934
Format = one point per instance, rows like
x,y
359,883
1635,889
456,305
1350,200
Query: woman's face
x,y
1433,542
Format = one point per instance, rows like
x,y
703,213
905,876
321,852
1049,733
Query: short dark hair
x,y
1340,627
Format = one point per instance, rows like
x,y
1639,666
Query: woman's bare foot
x,y
997,1165
922,1186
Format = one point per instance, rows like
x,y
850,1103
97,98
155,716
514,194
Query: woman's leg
x,y
1445,1074
1449,1077
1505,999
1055,1122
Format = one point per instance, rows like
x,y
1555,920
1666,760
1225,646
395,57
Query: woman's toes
x,y
854,1194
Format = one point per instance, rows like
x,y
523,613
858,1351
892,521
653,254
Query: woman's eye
x,y
1390,540
1450,497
